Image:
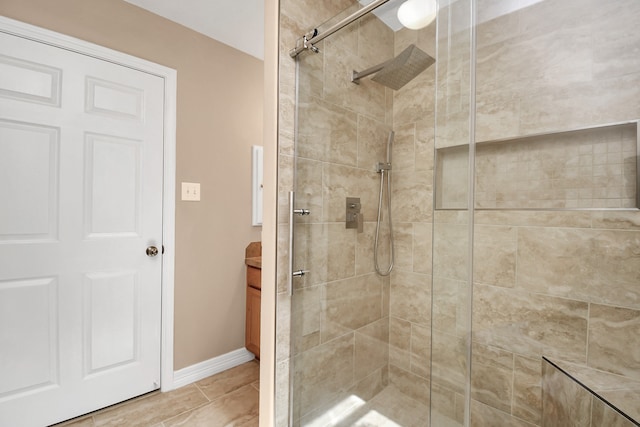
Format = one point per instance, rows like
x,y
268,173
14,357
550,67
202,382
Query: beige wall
x,y
219,117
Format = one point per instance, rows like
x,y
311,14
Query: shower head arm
x,y
357,75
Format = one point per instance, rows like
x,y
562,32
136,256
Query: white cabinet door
x,y
81,154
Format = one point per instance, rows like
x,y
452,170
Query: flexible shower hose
x,y
375,245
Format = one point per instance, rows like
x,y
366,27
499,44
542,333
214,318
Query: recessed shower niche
x,y
590,168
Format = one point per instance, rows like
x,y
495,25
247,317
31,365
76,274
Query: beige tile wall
x,y
545,283
451,263
412,211
555,65
567,289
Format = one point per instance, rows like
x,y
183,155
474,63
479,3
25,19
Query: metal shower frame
x,y
312,37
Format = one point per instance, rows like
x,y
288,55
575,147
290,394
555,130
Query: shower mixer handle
x,y
302,211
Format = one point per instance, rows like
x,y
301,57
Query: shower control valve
x,y
354,219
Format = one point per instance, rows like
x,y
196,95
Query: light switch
x,y
191,191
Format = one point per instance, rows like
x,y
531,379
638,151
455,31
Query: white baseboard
x,y
193,373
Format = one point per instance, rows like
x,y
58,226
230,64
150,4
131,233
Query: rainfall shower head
x,y
398,71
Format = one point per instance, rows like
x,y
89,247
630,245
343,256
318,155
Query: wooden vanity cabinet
x,y
252,332
254,286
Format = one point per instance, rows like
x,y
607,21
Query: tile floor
x,y
389,408
229,398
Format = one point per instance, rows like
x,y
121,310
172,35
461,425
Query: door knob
x,y
152,251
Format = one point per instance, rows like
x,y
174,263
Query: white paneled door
x,y
81,154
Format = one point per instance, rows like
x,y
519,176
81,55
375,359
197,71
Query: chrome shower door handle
x,y
292,213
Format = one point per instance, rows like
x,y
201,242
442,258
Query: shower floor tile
x,y
389,408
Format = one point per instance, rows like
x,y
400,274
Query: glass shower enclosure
x,y
514,297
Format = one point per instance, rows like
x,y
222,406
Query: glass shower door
x,y
453,218
339,306
343,369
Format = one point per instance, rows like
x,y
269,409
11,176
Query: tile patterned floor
x,y
389,408
229,398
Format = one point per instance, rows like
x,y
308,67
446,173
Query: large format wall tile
x,y
351,304
305,314
299,11
412,196
450,251
610,101
424,143
421,350
629,220
323,371
410,384
283,329
422,247
530,324
566,219
411,297
403,235
560,76
614,340
492,376
340,182
327,132
311,74
400,343
413,102
364,249
447,407
327,251
285,184
372,142
450,306
308,190
448,361
494,255
527,389
404,151
486,416
604,264
371,348
341,58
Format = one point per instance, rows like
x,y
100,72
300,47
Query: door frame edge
x,y
170,76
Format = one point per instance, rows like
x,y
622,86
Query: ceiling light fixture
x,y
417,14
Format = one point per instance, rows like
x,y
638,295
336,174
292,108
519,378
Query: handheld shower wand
x,y
384,169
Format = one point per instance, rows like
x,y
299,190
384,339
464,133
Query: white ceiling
x,y
237,23
240,23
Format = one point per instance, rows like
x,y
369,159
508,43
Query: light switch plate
x,y
191,191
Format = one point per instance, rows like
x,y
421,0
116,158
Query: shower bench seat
x,y
577,395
